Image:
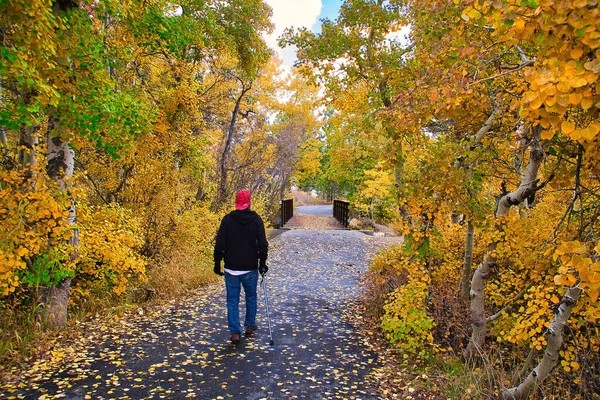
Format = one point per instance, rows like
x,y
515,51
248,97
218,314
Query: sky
x,y
295,13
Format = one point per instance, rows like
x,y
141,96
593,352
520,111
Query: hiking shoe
x,y
235,338
250,330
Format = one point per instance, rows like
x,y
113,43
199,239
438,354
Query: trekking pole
x,y
263,283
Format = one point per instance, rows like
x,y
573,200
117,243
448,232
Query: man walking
x,y
242,242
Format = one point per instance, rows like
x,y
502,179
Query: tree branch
x,y
527,63
507,305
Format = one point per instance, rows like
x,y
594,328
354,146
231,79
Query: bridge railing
x,y
341,211
287,210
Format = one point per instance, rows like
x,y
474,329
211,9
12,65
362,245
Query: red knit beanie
x,y
242,200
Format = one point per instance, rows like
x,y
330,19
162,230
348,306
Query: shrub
x,y
186,261
109,258
406,322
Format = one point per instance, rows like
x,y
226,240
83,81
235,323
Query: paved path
x,y
313,217
323,211
183,350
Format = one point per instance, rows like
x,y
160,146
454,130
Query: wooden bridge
x,y
330,217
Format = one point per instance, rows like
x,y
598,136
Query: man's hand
x,y
217,269
263,268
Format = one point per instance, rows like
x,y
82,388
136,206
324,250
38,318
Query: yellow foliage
x,y
564,76
110,242
34,216
577,266
405,322
310,160
375,195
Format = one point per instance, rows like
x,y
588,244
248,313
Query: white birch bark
x,y
482,273
28,141
467,262
551,355
60,165
468,255
3,138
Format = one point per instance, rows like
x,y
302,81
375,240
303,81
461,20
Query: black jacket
x,y
241,240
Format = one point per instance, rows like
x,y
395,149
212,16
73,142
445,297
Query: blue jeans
x,y
233,284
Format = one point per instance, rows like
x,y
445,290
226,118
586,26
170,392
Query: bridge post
x,y
287,210
341,211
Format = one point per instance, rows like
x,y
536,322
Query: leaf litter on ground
x,y
180,349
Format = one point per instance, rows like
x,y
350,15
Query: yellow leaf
x,y
576,134
588,133
470,13
551,90
546,134
535,104
545,123
474,14
563,100
532,95
574,365
550,101
567,127
575,98
587,103
576,53
563,86
560,280
590,276
579,83
519,25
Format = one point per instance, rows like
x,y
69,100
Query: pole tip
x,y
271,343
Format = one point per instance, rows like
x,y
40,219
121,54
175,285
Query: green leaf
x,y
540,39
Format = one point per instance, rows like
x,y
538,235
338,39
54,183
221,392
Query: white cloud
x,y
291,13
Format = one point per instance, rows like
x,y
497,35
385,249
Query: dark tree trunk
x,y
222,194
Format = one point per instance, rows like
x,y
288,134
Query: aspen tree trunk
x,y
468,256
200,192
551,355
482,273
60,166
28,142
467,263
398,172
399,176
228,142
3,138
